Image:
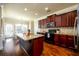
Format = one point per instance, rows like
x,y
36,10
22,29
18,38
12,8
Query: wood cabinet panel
x,y
52,18
63,40
70,41
48,19
45,24
58,20
37,46
72,16
56,39
64,20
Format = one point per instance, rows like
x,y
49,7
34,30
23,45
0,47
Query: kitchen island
x,y
32,44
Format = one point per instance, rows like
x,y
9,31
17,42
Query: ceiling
x,y
16,10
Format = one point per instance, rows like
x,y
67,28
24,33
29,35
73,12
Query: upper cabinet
x,y
58,21
48,19
62,20
71,18
52,18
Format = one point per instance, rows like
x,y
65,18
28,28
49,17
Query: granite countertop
x,y
30,37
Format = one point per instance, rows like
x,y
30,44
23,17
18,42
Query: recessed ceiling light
x,y
46,8
36,14
25,9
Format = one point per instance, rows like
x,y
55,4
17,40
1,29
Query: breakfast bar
x,y
32,44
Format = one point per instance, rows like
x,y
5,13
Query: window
x,y
20,28
8,30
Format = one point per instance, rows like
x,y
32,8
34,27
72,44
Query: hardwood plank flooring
x,y
12,49
53,50
48,50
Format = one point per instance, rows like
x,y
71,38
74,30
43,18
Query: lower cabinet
x,y
70,41
37,46
56,39
64,40
33,47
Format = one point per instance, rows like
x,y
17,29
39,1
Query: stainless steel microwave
x,y
51,24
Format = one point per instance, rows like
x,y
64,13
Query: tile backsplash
x,y
63,30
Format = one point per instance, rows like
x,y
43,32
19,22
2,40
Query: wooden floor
x,y
53,50
11,49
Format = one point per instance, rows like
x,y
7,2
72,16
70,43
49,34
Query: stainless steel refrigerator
x,y
76,29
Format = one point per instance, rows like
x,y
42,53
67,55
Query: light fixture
x,y
25,9
46,8
36,14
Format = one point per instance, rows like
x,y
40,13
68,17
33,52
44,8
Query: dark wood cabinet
x,y
52,18
41,23
56,39
48,19
32,47
63,40
71,18
70,41
64,20
37,46
45,24
58,20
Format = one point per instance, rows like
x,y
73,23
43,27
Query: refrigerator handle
x,y
75,31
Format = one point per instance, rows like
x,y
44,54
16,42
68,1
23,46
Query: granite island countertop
x,y
30,37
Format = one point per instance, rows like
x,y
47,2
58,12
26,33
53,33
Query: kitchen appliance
x,y
76,29
51,24
49,36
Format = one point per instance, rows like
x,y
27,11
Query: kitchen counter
x,y
32,44
30,37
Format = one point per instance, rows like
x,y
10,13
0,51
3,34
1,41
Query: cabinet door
x,y
37,46
58,20
48,19
42,23
45,24
56,39
70,41
71,18
63,40
64,20
73,15
52,18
